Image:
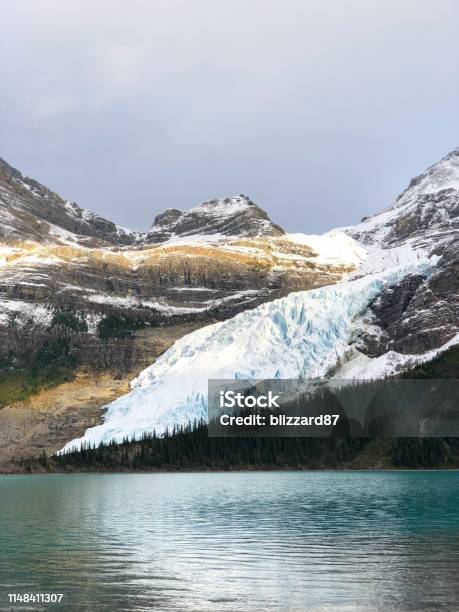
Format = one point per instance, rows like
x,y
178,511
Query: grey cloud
x,y
320,110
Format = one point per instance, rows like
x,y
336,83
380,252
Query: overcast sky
x,y
320,110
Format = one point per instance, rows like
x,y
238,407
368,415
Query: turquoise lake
x,y
232,541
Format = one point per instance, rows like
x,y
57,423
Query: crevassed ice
x,y
303,334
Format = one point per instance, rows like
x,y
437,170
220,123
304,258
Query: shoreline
x,y
241,471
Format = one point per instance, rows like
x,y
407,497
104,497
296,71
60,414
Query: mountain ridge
x,y
108,295
29,210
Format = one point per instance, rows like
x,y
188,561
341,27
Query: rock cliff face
x,y
420,314
45,420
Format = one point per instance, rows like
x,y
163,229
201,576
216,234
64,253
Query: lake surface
x,y
233,541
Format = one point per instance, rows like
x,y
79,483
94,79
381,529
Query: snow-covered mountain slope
x,y
304,334
419,314
425,213
182,276
411,255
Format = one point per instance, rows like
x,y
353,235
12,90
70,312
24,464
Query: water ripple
x,y
240,541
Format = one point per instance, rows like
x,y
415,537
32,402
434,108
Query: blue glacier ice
x,y
303,334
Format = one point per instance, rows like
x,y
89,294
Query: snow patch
x,y
332,248
168,309
23,312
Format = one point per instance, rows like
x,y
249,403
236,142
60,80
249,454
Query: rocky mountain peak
x,y
440,176
230,216
167,218
425,213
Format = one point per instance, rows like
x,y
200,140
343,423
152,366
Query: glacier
x,y
304,334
